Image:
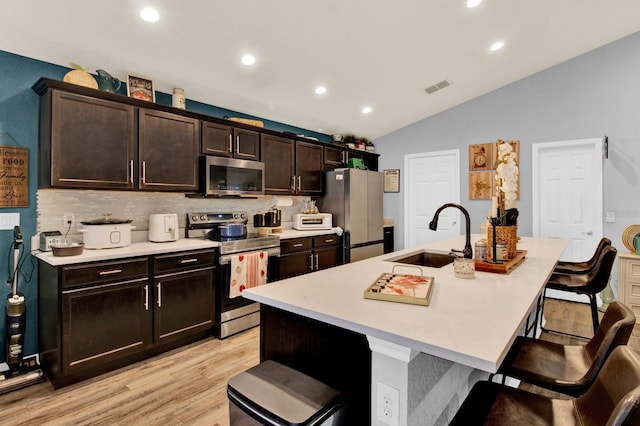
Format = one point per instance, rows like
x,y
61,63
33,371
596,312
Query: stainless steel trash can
x,y
273,394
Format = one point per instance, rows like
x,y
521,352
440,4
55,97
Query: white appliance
x,y
163,227
307,221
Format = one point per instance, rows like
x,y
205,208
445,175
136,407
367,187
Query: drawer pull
x,y
298,245
317,263
111,272
330,240
146,297
183,261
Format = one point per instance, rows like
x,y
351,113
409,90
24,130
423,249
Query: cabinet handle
x,y
159,300
311,262
112,271
293,183
131,171
330,240
317,263
183,261
230,143
144,172
299,183
298,245
237,145
146,297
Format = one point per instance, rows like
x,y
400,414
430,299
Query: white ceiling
x,y
374,53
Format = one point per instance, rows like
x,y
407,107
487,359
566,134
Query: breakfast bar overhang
x,y
427,357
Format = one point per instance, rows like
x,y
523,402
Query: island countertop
x,y
468,321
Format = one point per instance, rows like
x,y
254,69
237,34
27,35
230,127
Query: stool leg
x,y
594,312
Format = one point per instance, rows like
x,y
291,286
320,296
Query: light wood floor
x,y
187,386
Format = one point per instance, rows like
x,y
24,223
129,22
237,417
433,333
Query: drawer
x,y
633,270
177,262
104,272
326,240
295,244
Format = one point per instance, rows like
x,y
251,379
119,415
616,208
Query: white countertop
x,y
472,322
146,248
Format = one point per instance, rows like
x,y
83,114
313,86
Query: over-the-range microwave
x,y
221,176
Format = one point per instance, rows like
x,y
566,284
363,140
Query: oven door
x,y
233,313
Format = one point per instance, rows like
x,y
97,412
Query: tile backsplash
x,y
53,204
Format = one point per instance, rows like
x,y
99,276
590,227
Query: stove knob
x,y
243,216
203,217
235,215
194,218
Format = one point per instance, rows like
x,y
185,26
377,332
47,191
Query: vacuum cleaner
x,y
20,373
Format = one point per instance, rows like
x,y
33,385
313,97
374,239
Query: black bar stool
x,y
569,369
613,399
589,283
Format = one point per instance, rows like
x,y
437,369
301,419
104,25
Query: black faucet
x,y
467,252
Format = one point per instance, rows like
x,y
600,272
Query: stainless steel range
x,y
233,314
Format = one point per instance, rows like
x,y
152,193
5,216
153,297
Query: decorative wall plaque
x,y
14,176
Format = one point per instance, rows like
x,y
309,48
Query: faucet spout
x,y
433,225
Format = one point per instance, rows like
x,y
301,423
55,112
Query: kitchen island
x,y
425,356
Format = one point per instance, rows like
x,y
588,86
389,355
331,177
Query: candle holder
x,y
494,254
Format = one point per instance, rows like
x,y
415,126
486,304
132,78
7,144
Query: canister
x,y
501,251
178,99
481,250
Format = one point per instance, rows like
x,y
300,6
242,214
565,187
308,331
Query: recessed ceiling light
x,y
366,110
149,14
321,90
473,3
497,46
248,59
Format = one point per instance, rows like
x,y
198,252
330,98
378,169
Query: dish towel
x,y
247,270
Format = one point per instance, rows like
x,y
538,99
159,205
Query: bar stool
x,y
563,267
589,284
613,399
569,369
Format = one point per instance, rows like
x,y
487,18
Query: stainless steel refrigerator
x,y
354,198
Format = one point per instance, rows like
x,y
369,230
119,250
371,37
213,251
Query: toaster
x,y
163,227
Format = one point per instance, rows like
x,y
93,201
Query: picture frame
x,y
140,88
392,180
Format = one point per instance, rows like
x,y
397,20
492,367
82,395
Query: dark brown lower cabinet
x,y
98,316
104,323
308,254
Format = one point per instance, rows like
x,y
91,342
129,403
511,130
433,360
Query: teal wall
x,y
19,118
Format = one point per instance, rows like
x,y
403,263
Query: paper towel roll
x,y
280,201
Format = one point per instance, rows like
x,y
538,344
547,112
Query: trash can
x,y
273,394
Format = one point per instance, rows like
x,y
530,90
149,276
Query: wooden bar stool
x,y
589,284
569,369
613,399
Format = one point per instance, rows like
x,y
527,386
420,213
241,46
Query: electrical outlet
x,y
611,217
68,220
387,404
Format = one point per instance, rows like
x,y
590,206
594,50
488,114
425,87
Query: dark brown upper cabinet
x,y
291,167
228,141
168,149
86,142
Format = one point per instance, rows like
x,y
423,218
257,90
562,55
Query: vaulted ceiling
x,y
380,54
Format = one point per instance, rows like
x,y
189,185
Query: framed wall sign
x,y
140,88
14,176
392,180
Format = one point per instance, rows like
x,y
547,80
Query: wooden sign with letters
x,y
14,176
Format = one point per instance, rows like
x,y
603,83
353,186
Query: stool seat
x,y
590,283
565,267
613,399
569,369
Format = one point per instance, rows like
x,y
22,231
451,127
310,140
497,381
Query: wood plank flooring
x,y
187,386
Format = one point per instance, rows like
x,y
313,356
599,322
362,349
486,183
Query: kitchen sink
x,y
426,258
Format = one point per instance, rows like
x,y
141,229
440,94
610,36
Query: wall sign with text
x,y
14,176
392,180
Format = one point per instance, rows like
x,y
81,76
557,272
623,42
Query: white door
x,y
433,179
567,197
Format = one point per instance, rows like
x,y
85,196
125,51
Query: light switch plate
x,y
9,220
611,217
